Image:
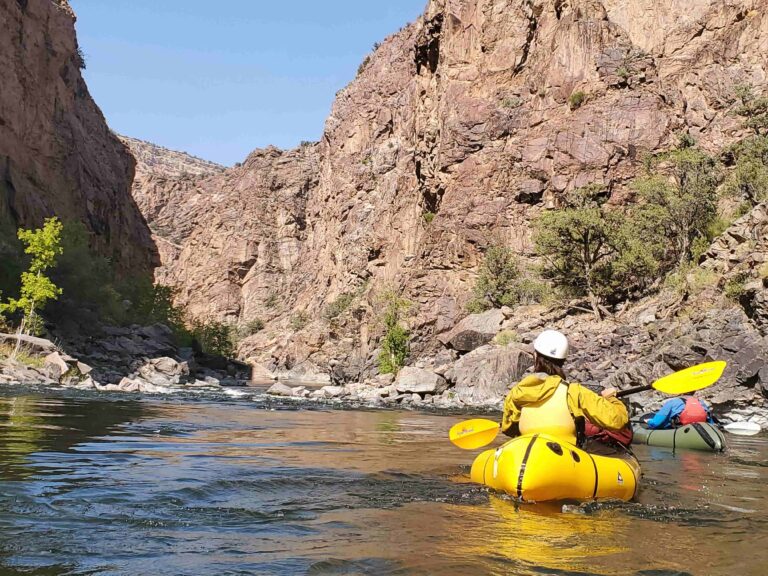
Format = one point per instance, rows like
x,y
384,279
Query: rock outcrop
x,y
57,155
154,160
457,131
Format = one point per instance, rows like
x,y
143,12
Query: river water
x,y
204,485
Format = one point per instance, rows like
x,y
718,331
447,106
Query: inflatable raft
x,y
540,467
698,436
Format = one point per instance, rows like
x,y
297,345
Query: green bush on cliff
x,y
576,99
395,342
299,320
214,337
338,306
500,283
753,108
677,204
496,281
748,180
735,287
87,280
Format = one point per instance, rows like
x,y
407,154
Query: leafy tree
x,y
44,245
497,280
87,280
395,343
589,249
753,108
749,178
678,202
214,337
500,282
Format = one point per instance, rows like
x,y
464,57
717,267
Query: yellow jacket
x,y
607,413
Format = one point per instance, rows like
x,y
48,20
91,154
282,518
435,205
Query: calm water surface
x,y
115,485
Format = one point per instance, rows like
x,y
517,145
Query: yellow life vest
x,y
550,416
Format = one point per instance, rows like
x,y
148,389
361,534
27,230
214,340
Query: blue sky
x,y
218,79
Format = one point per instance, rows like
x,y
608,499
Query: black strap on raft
x,y
594,492
704,434
581,434
522,466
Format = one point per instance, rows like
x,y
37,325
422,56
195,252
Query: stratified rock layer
x,y
457,131
57,155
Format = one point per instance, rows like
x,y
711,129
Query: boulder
x,y
83,368
56,364
260,374
484,375
384,380
280,389
164,372
333,391
473,331
419,381
29,342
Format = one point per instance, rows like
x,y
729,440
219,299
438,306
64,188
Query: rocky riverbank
x,y
133,359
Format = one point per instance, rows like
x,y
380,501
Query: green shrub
x,y
500,283
428,217
748,180
678,204
685,140
497,280
576,99
506,337
734,287
80,58
512,102
691,280
338,306
8,351
271,301
753,108
533,291
249,328
395,344
214,337
299,320
743,209
623,72
364,65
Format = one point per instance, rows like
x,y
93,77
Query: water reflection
x,y
31,424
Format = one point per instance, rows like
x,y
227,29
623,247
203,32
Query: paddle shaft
x,y
634,390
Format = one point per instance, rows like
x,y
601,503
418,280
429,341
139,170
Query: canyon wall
x,y
457,131
57,154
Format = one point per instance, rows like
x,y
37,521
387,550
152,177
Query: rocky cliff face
x,y
154,160
57,155
457,131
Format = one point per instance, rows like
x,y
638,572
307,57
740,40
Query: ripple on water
x,y
161,486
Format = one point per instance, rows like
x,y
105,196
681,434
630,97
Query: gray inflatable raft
x,y
697,436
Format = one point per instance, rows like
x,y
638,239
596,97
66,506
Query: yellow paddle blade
x,y
472,434
691,379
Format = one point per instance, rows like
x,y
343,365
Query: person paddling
x,y
679,412
544,402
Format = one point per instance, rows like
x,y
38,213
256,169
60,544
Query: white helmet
x,y
551,343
